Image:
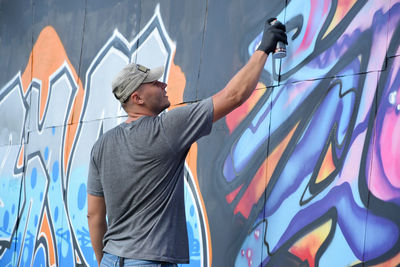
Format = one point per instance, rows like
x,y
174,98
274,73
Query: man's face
x,y
154,96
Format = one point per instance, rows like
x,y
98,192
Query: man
x,y
136,168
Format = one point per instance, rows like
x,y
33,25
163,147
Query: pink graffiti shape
x,y
390,147
317,14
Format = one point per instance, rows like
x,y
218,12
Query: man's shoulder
x,y
205,104
106,135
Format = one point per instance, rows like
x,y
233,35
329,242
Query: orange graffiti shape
x,y
307,247
261,179
327,166
343,7
232,195
20,161
390,263
47,56
45,232
176,84
234,118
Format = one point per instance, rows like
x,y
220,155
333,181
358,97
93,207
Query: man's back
x,y
138,168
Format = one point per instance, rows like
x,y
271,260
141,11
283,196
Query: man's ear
x,y
136,98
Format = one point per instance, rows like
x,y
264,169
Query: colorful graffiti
x,y
325,184
45,165
304,173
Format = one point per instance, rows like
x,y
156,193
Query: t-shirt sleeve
x,y
185,125
94,186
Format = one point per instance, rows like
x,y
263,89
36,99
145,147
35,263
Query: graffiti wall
x,y
305,173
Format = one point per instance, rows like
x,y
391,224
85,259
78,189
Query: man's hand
x,y
272,35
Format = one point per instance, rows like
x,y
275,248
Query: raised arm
x,y
240,87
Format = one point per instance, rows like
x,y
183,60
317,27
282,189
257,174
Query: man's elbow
x,y
89,216
92,219
96,209
95,218
237,100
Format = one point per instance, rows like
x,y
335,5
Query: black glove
x,y
272,35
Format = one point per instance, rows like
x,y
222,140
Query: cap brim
x,y
154,74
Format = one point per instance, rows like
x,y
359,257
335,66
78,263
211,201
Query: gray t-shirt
x,y
138,168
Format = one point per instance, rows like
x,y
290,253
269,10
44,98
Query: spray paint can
x,y
280,49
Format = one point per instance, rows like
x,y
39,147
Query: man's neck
x,y
133,116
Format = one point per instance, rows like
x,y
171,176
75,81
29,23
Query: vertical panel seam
x,y
202,49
